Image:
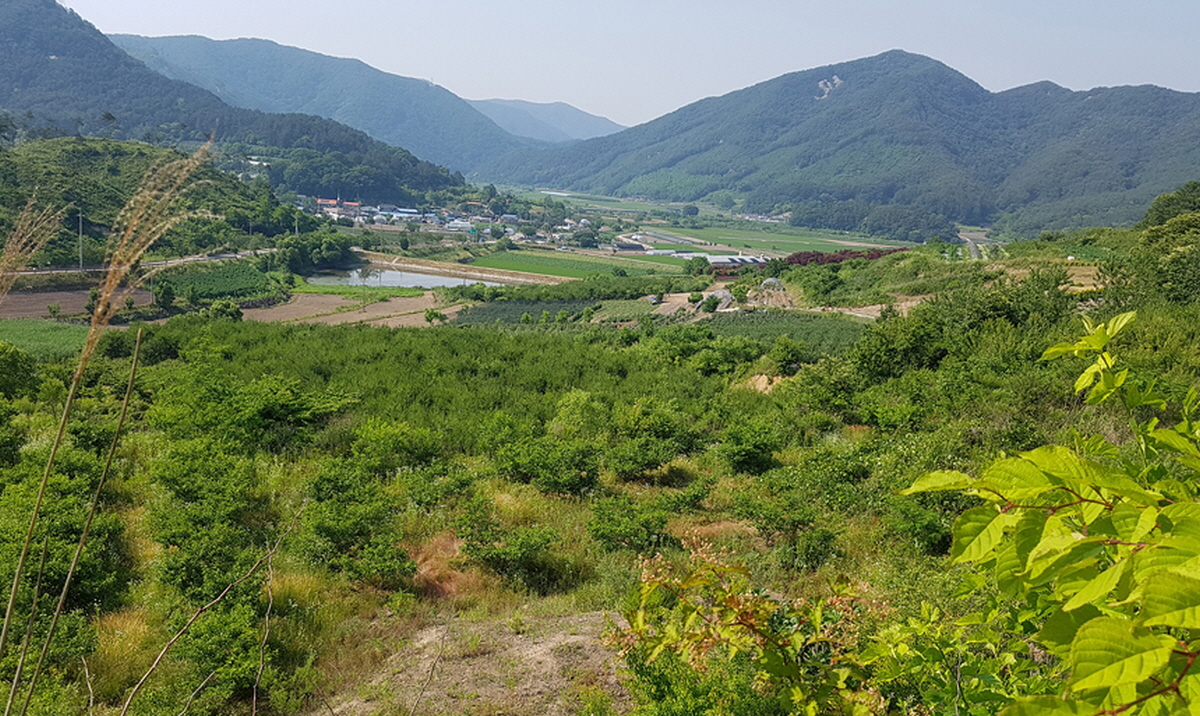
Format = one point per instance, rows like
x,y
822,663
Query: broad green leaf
x,y
1058,350
1046,706
1099,587
1189,688
1116,323
1032,526
1048,565
1171,600
1059,630
1009,564
1175,442
1111,652
1015,480
1170,553
1085,476
939,481
976,533
1087,377
1132,523
1181,519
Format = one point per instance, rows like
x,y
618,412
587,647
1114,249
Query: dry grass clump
x,y
124,651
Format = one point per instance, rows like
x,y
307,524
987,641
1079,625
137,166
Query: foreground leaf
x,y
976,533
1110,652
1171,600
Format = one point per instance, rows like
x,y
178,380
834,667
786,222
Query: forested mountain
x,y
418,115
547,121
61,75
898,128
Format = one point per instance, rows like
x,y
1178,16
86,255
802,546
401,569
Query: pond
x,y
391,278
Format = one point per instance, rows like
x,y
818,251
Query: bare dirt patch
x,y
334,310
33,304
465,271
522,666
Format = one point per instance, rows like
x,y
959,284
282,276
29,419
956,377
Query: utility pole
x,y
81,241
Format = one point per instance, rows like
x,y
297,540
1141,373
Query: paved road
x,y
201,258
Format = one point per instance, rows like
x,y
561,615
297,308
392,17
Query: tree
x,y
691,210
18,371
696,265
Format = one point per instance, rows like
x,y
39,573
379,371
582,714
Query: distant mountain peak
x,y
546,121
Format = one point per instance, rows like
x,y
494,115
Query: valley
x,y
863,390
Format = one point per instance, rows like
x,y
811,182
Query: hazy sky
x,y
634,60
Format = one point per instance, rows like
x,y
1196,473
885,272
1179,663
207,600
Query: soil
x,y
454,270
33,304
520,666
330,310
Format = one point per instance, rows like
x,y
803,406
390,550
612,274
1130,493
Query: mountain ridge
x,y
422,117
896,128
63,76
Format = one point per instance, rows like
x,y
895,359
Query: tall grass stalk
x,y
87,526
33,230
37,592
152,211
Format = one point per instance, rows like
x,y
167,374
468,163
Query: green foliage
x,y
270,412
521,554
213,518
351,525
18,371
1184,200
382,447
206,282
619,523
593,288
551,464
802,654
808,335
1100,547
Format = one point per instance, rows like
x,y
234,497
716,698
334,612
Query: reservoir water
x,y
391,278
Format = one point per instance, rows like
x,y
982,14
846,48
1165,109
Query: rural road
x,y
152,264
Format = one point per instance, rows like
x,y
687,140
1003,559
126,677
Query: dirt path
x,y
520,666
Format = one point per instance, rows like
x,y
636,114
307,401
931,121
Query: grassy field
x,y
572,265
45,340
356,293
831,334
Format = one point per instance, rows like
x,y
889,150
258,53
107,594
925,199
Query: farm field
x,y
821,334
44,340
358,293
569,265
789,240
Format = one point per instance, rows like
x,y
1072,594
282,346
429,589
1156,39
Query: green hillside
x,y
62,76
901,129
428,120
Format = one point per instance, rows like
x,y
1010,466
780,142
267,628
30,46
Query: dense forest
x,y
233,504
